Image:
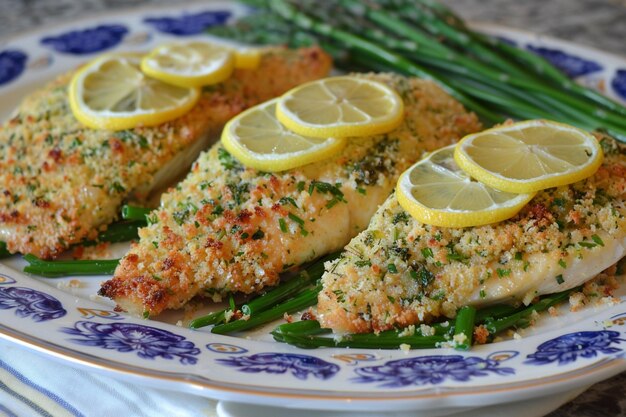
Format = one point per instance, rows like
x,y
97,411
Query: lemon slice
x,y
190,64
112,93
529,156
247,58
257,139
436,191
341,107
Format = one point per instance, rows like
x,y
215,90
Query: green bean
x,y
366,340
55,269
464,328
283,291
495,312
4,252
209,319
301,328
302,300
134,212
119,232
496,326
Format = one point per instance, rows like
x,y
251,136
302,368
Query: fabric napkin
x,y
33,385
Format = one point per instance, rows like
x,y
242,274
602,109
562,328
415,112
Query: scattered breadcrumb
x,y
459,339
71,284
481,335
309,315
577,301
407,331
99,251
228,314
427,330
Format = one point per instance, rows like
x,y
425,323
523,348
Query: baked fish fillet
x,y
60,181
228,229
400,272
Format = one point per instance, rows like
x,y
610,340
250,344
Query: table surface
x,y
596,23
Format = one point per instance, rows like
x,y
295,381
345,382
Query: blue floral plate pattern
x,y
64,317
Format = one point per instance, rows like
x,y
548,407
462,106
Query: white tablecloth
x,y
64,391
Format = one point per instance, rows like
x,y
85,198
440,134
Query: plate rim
x,y
409,400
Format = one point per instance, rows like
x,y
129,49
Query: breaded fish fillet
x,y
227,228
400,272
60,181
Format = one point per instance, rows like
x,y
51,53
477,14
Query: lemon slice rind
x,y
466,157
247,57
344,106
436,177
255,137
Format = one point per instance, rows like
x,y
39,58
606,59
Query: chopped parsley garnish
x,y
205,184
423,276
300,222
116,186
327,188
288,200
453,255
180,216
588,244
130,136
238,191
227,160
427,253
439,295
296,219
401,252
258,235
597,239
559,279
400,217
392,268
340,295
562,263
559,202
363,263
283,225
503,272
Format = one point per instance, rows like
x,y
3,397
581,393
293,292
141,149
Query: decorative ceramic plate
x,y
69,322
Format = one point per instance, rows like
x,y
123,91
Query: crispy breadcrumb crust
x,y
226,228
400,272
60,182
